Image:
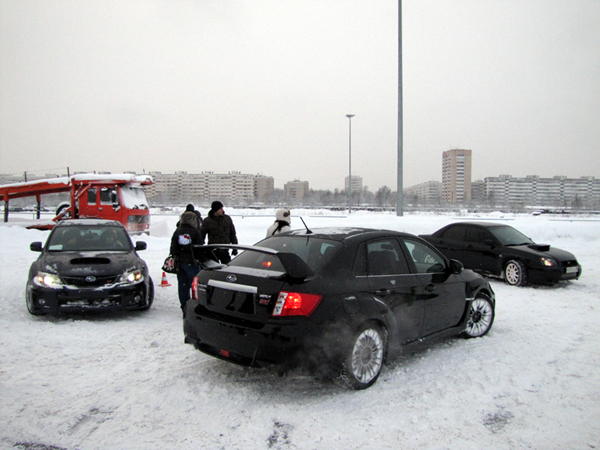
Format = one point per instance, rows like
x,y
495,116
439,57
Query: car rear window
x,y
88,238
314,252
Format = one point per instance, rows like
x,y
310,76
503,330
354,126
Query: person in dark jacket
x,y
219,228
191,208
185,236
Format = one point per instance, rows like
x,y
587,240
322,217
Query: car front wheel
x,y
149,296
364,361
30,305
481,317
515,273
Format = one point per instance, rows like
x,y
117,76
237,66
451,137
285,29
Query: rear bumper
x,y
293,344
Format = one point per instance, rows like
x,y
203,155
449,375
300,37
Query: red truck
x,y
114,196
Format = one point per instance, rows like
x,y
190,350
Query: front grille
x,y
87,282
144,219
569,263
98,303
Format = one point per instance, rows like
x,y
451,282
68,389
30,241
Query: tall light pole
x,y
400,180
349,116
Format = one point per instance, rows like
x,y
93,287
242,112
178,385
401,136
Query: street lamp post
x,y
349,116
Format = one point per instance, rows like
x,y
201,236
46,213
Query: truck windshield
x,y
134,197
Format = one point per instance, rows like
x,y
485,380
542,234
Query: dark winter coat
x,y
185,236
219,229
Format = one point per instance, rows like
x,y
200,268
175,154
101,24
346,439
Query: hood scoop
x,y
89,261
540,247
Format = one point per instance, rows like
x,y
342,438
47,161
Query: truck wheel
x,y
61,208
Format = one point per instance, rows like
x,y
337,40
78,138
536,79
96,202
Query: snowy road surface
x,y
127,380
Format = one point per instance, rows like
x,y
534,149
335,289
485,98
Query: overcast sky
x,y
264,86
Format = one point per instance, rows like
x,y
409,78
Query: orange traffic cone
x,y
164,282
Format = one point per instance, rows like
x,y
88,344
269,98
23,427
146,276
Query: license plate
x,y
574,269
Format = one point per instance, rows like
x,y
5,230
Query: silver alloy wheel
x,y
513,273
481,316
367,356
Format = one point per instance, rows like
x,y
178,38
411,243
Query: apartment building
x,y
296,189
532,190
357,183
205,187
263,187
424,193
456,176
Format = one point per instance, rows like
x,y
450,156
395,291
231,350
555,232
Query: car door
x,y
481,251
391,281
443,292
452,242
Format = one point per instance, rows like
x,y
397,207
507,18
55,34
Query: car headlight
x,y
49,280
131,277
548,262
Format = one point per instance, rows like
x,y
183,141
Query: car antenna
x,y
307,229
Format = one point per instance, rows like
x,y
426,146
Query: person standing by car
x,y
219,228
184,238
282,222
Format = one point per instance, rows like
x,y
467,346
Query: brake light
x,y
296,304
195,295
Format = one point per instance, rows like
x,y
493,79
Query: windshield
x,y
314,252
509,236
134,197
88,238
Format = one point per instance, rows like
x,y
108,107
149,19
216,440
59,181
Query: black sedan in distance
x,y
338,302
499,250
88,264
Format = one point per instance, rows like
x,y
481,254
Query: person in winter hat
x,y
282,222
191,208
219,228
184,238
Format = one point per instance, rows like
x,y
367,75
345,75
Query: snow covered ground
x,y
127,380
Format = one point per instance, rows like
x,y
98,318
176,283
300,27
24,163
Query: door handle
x,y
383,292
430,287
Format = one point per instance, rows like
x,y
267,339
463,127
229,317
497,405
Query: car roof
x,y
87,222
480,224
343,233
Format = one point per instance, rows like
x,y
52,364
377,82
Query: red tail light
x,y
195,289
296,304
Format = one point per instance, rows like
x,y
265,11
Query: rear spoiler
x,y
294,266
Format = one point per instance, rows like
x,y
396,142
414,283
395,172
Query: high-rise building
x,y
263,186
456,176
357,183
296,189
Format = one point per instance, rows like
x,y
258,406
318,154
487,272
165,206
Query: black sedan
x,y
499,250
88,264
337,301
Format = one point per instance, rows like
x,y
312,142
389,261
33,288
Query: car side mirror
x,y
35,246
489,242
140,245
456,267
